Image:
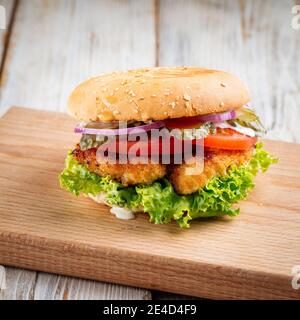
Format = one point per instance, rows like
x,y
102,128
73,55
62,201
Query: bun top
x,y
156,94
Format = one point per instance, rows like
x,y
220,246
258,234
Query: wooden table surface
x,y
51,45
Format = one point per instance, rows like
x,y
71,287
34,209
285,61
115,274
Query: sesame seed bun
x,y
156,94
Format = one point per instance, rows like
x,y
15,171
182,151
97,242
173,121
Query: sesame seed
x,y
222,104
153,95
172,104
187,104
223,85
116,89
141,98
127,90
186,97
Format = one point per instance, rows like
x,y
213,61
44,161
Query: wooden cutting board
x,y
45,228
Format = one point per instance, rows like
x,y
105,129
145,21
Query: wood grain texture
x,y
12,290
55,287
8,5
73,41
48,56
252,39
2,278
49,230
20,284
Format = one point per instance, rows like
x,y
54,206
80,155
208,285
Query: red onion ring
x,y
215,117
122,131
218,117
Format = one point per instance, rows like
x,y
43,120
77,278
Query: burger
x,y
122,160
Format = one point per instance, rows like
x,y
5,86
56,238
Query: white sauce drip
x,y
247,131
122,213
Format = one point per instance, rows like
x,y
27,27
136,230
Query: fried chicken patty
x,y
216,163
128,174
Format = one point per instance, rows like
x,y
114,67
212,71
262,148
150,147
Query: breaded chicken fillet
x,y
127,174
216,163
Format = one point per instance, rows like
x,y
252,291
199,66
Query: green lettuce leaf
x,y
77,179
160,200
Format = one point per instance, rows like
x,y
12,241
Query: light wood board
x,y
45,228
62,43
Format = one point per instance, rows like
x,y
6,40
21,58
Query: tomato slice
x,y
229,139
183,123
147,147
226,139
